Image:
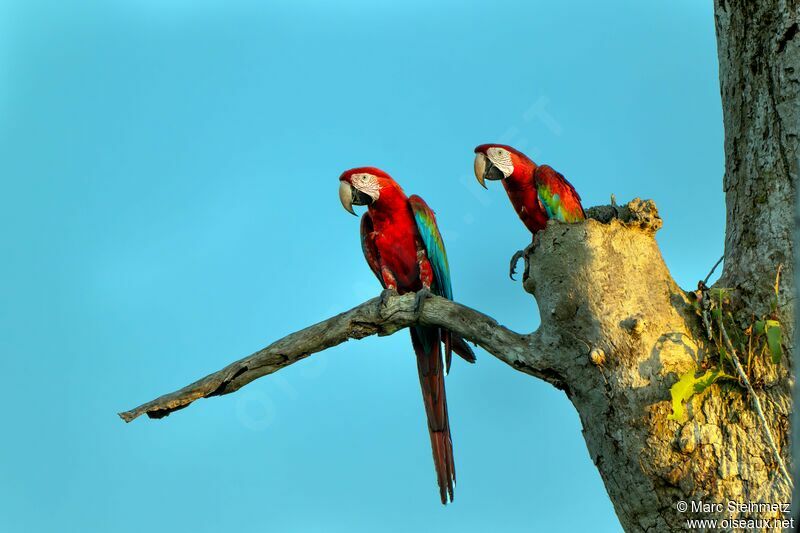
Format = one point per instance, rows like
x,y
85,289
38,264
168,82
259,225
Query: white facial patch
x,y
367,183
501,158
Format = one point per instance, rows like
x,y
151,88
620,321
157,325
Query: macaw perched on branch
x,y
538,193
404,249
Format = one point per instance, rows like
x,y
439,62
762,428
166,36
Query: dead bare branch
x,y
523,352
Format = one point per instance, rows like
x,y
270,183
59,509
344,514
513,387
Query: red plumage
x,y
394,250
525,186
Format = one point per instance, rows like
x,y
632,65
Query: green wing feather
x,y
557,195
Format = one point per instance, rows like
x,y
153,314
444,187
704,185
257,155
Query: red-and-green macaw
x,y
404,249
537,192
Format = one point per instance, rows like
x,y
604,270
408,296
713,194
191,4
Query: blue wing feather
x,y
437,256
434,246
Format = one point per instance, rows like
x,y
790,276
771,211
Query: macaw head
x,y
363,186
499,161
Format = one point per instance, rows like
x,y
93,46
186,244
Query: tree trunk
x,y
759,70
616,298
617,331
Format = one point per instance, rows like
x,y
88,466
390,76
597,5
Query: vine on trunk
x,y
760,341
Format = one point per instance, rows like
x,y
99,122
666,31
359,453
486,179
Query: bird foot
x,y
419,299
385,295
521,254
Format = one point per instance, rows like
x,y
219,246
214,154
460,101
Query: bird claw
x,y
514,260
419,299
522,254
385,295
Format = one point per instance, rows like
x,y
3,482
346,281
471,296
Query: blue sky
x,y
169,204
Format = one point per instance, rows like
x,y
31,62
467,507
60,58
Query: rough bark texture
x,y
617,331
759,65
759,70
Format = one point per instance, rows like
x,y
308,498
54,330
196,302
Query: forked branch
x,y
524,352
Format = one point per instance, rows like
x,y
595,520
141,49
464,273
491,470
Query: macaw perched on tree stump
x,y
537,192
404,249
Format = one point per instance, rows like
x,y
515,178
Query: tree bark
x,y
617,331
759,70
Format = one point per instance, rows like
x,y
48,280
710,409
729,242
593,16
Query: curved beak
x,y
480,168
346,196
485,170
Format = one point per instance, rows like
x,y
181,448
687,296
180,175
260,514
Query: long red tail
x,y
427,346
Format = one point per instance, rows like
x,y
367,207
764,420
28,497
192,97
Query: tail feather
x,y
447,338
430,364
463,349
454,343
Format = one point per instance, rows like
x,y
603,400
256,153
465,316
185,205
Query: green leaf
x,y
759,326
687,386
774,335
